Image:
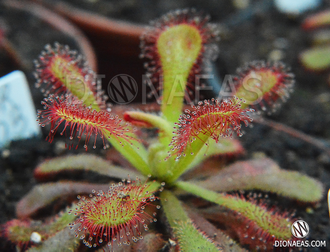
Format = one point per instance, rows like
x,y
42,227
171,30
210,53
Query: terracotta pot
x,y
116,42
112,36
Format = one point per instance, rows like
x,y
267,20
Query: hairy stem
x,y
272,223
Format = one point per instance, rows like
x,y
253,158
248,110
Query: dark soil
x,y
248,35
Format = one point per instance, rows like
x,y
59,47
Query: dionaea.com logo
x,y
300,230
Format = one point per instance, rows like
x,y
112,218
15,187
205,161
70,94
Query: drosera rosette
x,y
118,216
176,47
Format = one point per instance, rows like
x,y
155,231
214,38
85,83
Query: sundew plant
x,y
162,200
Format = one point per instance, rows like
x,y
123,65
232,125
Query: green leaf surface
x,y
85,162
248,236
183,163
264,174
178,47
274,224
133,151
189,237
227,244
172,208
148,120
225,146
316,58
209,121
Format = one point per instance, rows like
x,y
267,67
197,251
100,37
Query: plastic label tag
x,y
17,111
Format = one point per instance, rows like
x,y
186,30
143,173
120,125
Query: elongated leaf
x,y
81,120
176,45
210,120
226,243
237,227
264,174
148,120
61,70
269,225
42,195
189,237
192,239
85,162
